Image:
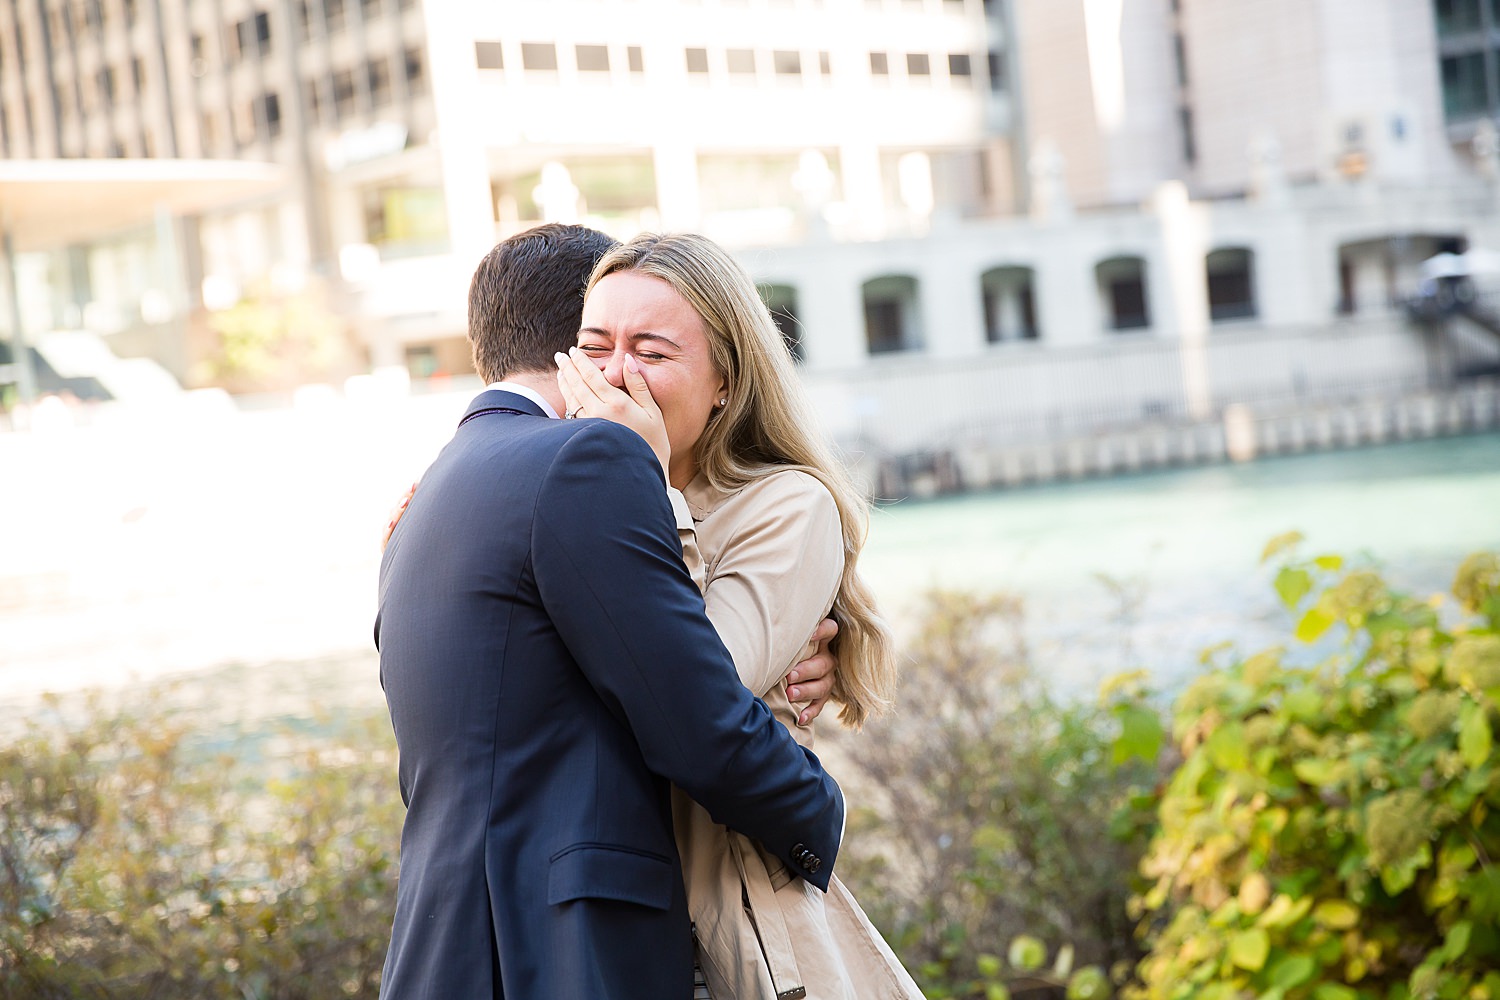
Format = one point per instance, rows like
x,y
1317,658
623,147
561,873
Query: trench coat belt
x,y
770,925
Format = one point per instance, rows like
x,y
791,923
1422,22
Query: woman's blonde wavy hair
x,y
767,426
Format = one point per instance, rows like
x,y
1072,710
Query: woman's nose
x,y
614,370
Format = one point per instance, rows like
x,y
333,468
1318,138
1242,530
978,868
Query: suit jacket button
x,y
813,864
799,852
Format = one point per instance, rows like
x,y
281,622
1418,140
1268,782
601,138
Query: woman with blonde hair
x,y
676,344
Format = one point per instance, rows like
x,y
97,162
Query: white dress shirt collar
x,y
528,392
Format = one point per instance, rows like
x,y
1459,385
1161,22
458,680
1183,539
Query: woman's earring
x,y
724,401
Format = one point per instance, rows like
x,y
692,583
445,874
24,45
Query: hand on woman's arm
x,y
811,680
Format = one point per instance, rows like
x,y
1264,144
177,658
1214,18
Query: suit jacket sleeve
x,y
775,576
608,566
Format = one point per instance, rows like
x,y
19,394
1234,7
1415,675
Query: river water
x,y
1146,571
236,553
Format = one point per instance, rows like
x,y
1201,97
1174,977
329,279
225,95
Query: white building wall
x,y
1255,68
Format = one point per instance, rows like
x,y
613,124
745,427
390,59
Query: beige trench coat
x,y
769,558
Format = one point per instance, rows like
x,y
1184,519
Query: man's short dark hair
x,y
526,298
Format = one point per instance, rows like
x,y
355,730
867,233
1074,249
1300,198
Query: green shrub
x,y
1333,830
135,861
991,813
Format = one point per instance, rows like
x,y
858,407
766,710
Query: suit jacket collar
x,y
498,399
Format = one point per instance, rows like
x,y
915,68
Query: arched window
x,y
781,300
1122,292
892,315
1231,284
1009,304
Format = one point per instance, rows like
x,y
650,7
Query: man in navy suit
x,y
549,670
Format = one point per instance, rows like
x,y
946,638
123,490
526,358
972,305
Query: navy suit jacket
x,y
549,670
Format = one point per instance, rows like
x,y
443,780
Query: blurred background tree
x,y
275,341
994,812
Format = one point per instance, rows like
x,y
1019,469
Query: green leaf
x,y
1227,748
1027,953
996,991
1320,772
1088,983
1332,563
1474,737
1293,585
1336,914
1456,942
1280,544
988,965
1313,624
1333,991
1248,949
1140,735
1062,966
1304,704
1284,911
1292,971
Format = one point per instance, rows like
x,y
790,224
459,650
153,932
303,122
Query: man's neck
x,y
543,384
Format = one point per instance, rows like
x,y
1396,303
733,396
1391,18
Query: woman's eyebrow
x,y
636,338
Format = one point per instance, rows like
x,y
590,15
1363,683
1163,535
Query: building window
x,y
1122,292
1465,92
918,64
539,56
489,55
1458,17
1179,56
268,116
132,12
333,15
378,76
592,58
996,66
304,20
960,66
1009,304
1231,284
787,62
825,64
314,100
255,34
633,59
1189,138
781,303
138,73
891,314
1469,60
741,61
416,70
105,81
697,60
370,9
880,64
343,93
